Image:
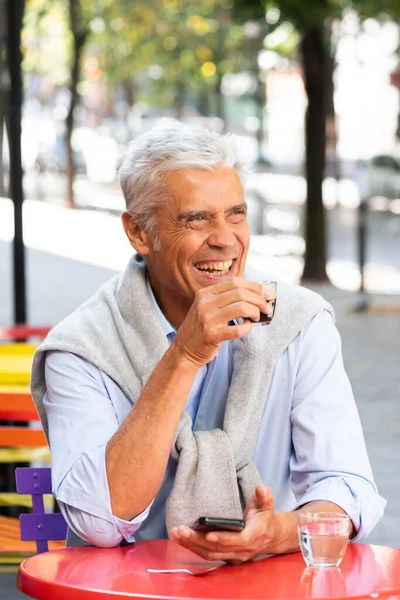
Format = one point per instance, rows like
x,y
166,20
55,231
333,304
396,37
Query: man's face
x,y
203,234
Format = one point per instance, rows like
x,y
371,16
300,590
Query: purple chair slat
x,y
42,527
38,504
33,481
42,547
38,527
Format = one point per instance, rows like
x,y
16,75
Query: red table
x,y
88,573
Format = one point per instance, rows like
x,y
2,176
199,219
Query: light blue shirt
x,y
310,445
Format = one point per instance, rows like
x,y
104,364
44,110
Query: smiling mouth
x,y
215,268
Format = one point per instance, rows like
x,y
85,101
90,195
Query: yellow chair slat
x,y
7,559
15,363
14,499
14,558
20,349
15,370
14,455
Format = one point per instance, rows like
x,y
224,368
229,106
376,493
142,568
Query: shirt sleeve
x,y
81,420
330,460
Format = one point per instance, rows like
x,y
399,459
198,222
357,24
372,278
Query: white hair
x,y
167,148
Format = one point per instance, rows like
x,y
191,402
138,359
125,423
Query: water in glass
x,y
323,539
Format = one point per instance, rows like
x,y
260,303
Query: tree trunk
x,y
255,45
260,98
331,125
203,100
15,18
70,168
220,103
2,184
219,57
4,87
129,86
314,66
79,36
179,98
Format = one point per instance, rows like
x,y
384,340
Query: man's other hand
x,y
267,531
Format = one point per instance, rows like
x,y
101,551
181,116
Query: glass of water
x,y
323,537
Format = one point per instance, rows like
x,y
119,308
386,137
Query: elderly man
x,y
163,401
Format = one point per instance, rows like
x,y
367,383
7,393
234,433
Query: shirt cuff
x,y
364,509
85,497
95,523
128,528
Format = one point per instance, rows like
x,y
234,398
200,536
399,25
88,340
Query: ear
x,y
138,238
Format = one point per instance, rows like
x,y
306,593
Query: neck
x,y
173,308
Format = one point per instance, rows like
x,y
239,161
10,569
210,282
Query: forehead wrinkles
x,y
212,207
196,181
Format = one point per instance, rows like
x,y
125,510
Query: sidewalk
x,y
58,281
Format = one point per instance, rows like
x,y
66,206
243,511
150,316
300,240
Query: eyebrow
x,y
195,213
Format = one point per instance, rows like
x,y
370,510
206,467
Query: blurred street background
x,y
312,94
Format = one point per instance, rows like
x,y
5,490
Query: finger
x,y
181,532
237,310
196,548
232,296
237,303
225,556
232,332
264,498
230,541
224,541
184,534
235,282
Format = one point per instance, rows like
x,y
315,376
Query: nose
x,y
221,236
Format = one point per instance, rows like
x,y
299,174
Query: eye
x,y
198,221
237,215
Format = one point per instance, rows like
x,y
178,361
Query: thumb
x,y
264,499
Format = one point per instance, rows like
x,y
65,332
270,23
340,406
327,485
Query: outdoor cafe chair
x,y
23,333
21,437
20,442
39,526
34,532
23,441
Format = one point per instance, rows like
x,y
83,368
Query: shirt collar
x,y
166,325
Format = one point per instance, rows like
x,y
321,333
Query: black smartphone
x,y
217,524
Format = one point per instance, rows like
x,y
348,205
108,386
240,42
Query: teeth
x,y
218,268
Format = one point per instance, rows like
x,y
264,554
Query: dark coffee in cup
x,y
267,317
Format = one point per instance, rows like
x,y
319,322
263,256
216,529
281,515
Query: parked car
x,y
383,176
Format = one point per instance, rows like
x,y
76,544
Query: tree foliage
x,y
174,53
167,45
313,19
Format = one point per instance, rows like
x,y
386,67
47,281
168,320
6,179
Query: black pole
x,y
15,9
362,238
